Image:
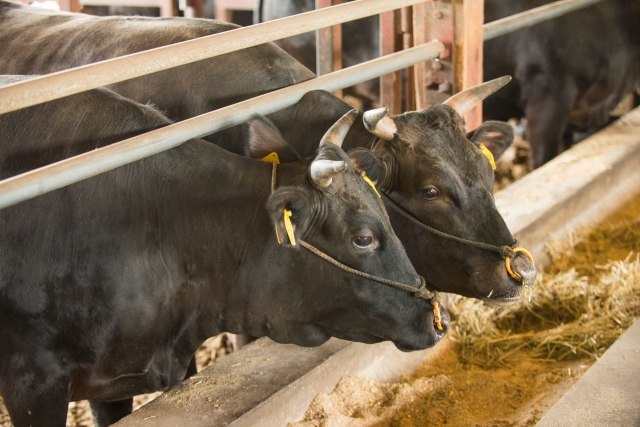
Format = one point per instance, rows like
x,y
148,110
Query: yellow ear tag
x,y
489,155
271,158
289,227
366,178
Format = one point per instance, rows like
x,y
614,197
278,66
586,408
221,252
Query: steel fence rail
x,y
75,80
532,17
43,180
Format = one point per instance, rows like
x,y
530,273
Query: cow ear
x,y
496,136
264,138
294,203
364,160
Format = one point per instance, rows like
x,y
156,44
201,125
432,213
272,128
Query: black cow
x,y
108,286
426,164
41,41
572,70
569,72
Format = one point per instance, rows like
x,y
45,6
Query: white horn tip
x,y
323,171
377,123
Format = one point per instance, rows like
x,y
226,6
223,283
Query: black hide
x,y
108,286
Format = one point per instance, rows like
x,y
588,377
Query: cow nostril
x,y
523,266
444,322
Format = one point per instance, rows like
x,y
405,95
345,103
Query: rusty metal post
x,y
328,45
391,42
409,92
70,5
458,25
468,52
434,79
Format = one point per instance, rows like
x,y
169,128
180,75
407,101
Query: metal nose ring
x,y
507,263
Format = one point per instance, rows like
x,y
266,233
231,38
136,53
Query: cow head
x,y
426,163
325,202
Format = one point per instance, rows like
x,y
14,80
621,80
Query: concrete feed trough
x,y
268,384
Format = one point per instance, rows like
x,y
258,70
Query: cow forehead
x,y
440,152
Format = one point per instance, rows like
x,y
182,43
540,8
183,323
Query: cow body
x,y
572,70
109,285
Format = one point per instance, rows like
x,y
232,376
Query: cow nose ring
x,y
507,263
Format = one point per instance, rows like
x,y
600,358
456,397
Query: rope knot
x,y
507,251
434,298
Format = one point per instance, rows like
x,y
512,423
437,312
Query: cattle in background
x,y
109,285
435,140
39,41
568,71
360,41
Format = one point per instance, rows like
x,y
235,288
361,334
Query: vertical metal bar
x,y
409,94
467,52
419,70
324,44
337,47
391,42
70,5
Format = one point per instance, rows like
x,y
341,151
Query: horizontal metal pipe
x,y
43,180
64,83
532,17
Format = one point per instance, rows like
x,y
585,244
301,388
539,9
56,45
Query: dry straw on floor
x,y
578,310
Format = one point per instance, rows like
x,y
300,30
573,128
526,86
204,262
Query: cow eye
x,y
430,193
364,242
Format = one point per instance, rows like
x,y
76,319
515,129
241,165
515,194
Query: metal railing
x,y
57,85
75,80
48,178
532,17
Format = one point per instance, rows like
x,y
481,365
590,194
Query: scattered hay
x,y
577,311
568,316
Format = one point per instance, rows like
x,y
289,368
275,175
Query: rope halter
x,y
506,252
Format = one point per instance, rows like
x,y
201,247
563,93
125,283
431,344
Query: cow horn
x,y
323,171
337,132
377,122
464,101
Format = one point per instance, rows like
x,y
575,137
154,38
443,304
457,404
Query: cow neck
x,y
219,197
421,292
